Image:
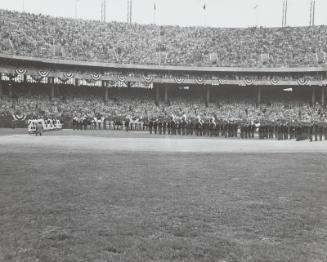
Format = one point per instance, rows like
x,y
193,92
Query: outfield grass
x,y
143,206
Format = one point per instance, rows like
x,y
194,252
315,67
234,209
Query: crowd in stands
x,y
49,37
145,109
179,117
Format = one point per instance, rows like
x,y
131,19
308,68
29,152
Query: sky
x,y
218,13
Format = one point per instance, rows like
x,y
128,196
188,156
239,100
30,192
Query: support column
x,y
52,87
52,91
207,95
10,90
157,95
259,96
166,94
313,97
106,90
323,90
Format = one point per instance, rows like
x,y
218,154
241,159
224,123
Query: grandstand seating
x,y
48,37
139,103
42,36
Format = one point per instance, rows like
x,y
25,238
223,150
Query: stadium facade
x,y
65,68
51,72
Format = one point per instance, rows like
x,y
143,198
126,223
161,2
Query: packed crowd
x,y
145,108
180,116
49,37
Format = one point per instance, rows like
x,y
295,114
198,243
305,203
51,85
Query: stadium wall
x,y
113,74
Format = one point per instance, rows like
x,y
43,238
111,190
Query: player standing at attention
x,y
39,129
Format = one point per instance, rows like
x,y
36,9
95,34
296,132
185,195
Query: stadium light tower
x,y
204,8
284,15
103,10
129,11
76,6
312,12
154,11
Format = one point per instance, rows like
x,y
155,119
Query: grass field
x,y
63,200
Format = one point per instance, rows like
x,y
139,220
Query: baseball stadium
x,y
123,141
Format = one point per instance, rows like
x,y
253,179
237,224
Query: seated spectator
x,y
133,107
48,37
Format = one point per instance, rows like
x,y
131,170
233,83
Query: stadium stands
x,y
182,116
39,36
124,105
48,37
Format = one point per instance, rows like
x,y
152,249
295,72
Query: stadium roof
x,y
60,62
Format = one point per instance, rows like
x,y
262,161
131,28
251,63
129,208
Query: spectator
x,y
44,36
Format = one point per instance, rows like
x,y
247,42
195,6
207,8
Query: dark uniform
x,y
155,126
320,127
173,127
164,126
150,126
39,129
212,128
311,130
127,124
170,127
160,126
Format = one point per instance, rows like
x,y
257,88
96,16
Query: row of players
x,y
210,127
243,129
84,123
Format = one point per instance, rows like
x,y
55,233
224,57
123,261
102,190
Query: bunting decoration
x,y
121,78
200,80
20,71
302,81
43,73
179,80
148,79
96,76
18,117
248,81
274,81
68,75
